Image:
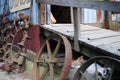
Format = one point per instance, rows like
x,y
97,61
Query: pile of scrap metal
x,y
8,31
6,26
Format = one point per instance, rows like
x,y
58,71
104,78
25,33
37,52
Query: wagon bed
x,y
101,41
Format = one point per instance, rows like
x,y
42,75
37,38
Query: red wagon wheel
x,y
51,62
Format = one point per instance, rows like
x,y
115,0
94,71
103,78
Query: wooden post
x,y
71,13
107,19
76,20
48,12
45,15
81,14
41,13
41,19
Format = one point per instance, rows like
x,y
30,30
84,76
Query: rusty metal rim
x,y
67,61
85,65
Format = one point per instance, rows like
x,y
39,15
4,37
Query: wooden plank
x,y
69,27
68,30
115,45
89,28
112,48
48,14
42,16
102,41
92,4
106,40
90,32
95,36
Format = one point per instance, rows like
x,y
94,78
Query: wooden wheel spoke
x,y
44,74
49,49
35,72
56,49
51,71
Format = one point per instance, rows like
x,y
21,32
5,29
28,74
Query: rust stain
x,y
98,15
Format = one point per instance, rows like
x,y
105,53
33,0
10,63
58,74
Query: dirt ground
x,y
4,75
14,76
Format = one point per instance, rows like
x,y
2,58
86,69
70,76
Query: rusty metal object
x,y
6,38
107,61
10,60
50,60
25,29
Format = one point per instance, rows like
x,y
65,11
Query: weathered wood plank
x,y
92,4
112,48
89,34
42,14
86,31
104,34
102,41
68,29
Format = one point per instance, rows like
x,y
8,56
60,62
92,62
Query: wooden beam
x,y
48,12
92,4
71,14
41,13
107,19
76,21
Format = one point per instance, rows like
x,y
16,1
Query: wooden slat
x,y
102,41
92,4
86,31
96,35
112,48
104,34
68,29
90,32
42,16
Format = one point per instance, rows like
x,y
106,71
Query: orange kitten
x,y
77,63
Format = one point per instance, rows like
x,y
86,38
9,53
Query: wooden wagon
x,y
95,43
100,45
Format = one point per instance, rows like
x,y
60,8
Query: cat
x,y
78,62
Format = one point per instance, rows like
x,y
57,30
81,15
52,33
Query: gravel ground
x,y
14,76
4,75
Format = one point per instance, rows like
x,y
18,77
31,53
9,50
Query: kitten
x,y
78,62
